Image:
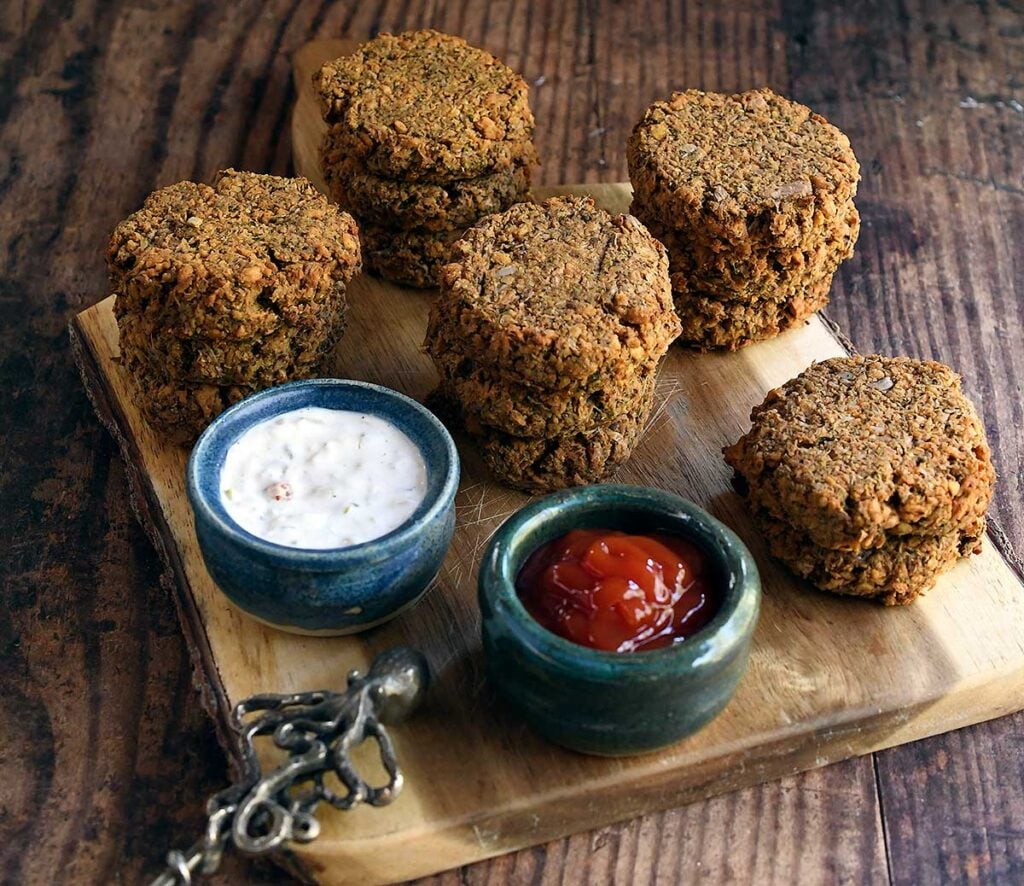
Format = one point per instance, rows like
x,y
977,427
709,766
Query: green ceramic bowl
x,y
605,702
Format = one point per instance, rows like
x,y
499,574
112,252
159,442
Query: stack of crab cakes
x,y
752,194
226,289
426,136
547,334
868,476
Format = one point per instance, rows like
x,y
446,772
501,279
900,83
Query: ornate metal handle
x,y
261,812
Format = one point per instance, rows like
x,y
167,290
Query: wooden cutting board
x,y
829,678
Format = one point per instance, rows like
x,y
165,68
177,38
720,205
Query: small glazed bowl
x,y
337,590
612,703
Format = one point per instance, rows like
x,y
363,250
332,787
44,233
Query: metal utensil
x,y
318,730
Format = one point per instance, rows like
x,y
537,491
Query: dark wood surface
x,y
105,752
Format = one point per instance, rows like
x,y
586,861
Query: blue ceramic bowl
x,y
339,590
605,702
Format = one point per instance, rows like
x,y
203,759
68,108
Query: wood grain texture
x,y
99,103
805,700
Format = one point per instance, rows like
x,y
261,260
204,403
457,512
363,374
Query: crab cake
x,y
269,359
425,136
179,410
729,300
856,449
894,573
227,289
412,258
486,401
246,256
392,203
547,334
749,166
556,294
863,460
545,463
751,270
577,458
710,323
753,196
426,106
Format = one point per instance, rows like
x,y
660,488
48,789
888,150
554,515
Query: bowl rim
x,y
740,608
379,548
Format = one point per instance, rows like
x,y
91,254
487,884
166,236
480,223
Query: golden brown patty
x,y
235,260
179,410
740,167
391,203
486,401
411,258
226,289
754,271
264,360
896,573
857,451
426,106
573,459
552,295
731,300
752,195
710,323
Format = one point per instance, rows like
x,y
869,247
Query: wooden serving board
x,y
829,678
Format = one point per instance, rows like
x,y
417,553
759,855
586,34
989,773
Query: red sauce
x,y
617,592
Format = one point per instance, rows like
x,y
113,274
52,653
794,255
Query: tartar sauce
x,y
322,478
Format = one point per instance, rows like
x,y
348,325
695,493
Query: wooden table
x,y
105,752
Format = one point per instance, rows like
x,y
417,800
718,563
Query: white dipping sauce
x,y
322,478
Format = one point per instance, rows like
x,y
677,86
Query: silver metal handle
x,y
261,812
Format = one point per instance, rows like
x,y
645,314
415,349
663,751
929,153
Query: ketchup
x,y
617,592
